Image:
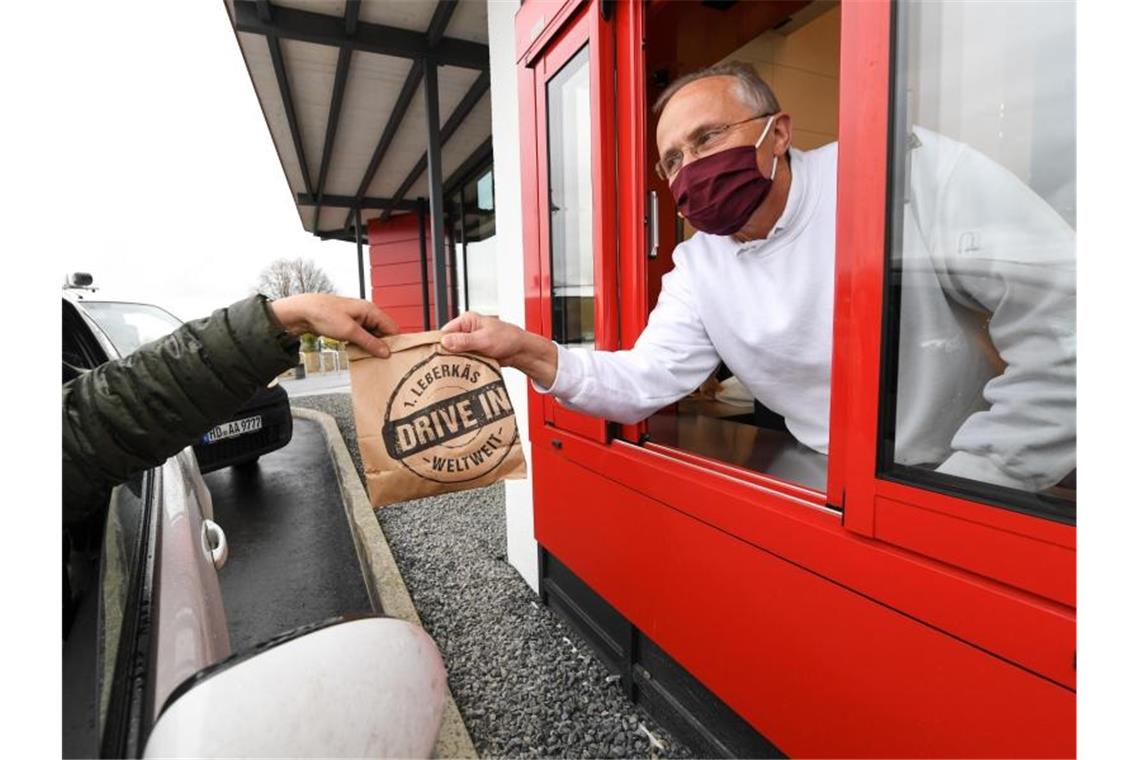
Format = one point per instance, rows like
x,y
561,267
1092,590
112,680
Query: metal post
x,y
463,243
423,265
435,189
359,252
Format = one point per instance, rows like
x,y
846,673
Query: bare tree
x,y
310,278
286,277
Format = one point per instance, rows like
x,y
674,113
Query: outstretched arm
x,y
130,414
672,357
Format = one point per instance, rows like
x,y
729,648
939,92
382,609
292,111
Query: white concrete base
x,y
382,578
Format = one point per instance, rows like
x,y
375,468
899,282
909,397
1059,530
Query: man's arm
x,y
671,358
127,415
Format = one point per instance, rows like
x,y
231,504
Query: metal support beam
x,y
411,83
322,29
476,92
351,12
463,244
359,254
351,17
424,264
439,21
290,111
435,189
351,201
480,155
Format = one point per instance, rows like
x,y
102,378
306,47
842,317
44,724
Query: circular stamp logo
x,y
450,419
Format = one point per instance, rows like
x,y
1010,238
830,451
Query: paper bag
x,y
430,421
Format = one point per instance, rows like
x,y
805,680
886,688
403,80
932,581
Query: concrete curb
x,y
382,578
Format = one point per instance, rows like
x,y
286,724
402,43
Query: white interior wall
x,y
522,551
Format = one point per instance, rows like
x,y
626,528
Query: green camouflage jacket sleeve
x,y
131,414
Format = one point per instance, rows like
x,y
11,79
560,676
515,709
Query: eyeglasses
x,y
704,143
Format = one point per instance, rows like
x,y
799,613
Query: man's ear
x,y
782,128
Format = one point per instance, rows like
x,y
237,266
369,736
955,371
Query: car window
x,y
130,325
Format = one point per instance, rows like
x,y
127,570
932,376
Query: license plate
x,y
233,429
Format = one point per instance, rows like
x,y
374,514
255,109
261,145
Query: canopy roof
x,y
341,85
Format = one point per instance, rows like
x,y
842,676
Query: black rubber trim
x,y
246,654
127,722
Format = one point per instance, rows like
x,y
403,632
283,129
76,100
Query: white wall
x,y
522,550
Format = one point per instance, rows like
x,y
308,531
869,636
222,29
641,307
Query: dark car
x,y
262,425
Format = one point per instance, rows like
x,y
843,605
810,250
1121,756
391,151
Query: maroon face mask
x,y
718,193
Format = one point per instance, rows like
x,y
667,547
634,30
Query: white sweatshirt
x,y
979,247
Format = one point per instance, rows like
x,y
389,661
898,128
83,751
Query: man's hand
x,y
511,346
336,317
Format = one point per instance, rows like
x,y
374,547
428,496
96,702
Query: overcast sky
x,y
179,198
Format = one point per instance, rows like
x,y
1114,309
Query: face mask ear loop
x,y
757,146
765,132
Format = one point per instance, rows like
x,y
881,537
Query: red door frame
x,y
559,46
995,580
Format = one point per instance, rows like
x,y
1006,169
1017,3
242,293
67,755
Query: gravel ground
x,y
526,684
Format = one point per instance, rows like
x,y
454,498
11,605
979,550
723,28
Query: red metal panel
x,y
530,164
1035,633
394,252
1040,567
409,318
405,295
537,22
633,262
859,235
397,274
818,669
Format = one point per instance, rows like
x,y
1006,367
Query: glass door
x,y
576,232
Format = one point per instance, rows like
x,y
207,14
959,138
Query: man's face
x,y
701,106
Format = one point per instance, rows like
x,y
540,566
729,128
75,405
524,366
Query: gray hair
x,y
749,87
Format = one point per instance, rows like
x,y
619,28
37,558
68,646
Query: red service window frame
x,y
1030,553
583,27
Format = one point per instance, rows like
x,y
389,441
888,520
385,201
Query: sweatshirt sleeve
x,y
671,358
133,413
1019,267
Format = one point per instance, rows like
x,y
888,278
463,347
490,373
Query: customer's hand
x,y
351,319
511,346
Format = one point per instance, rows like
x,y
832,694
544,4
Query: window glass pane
x,y
130,325
485,192
981,354
482,283
571,202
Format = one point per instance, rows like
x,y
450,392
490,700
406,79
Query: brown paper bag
x,y
430,421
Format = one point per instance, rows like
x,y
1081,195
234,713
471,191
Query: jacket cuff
x,y
963,464
266,343
567,375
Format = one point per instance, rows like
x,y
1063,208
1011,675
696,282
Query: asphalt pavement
x,y
292,560
318,383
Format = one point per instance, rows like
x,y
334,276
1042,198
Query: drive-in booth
x,y
766,598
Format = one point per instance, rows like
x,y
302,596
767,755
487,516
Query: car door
x,y
143,608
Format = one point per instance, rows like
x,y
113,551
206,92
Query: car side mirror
x,y
354,687
79,280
